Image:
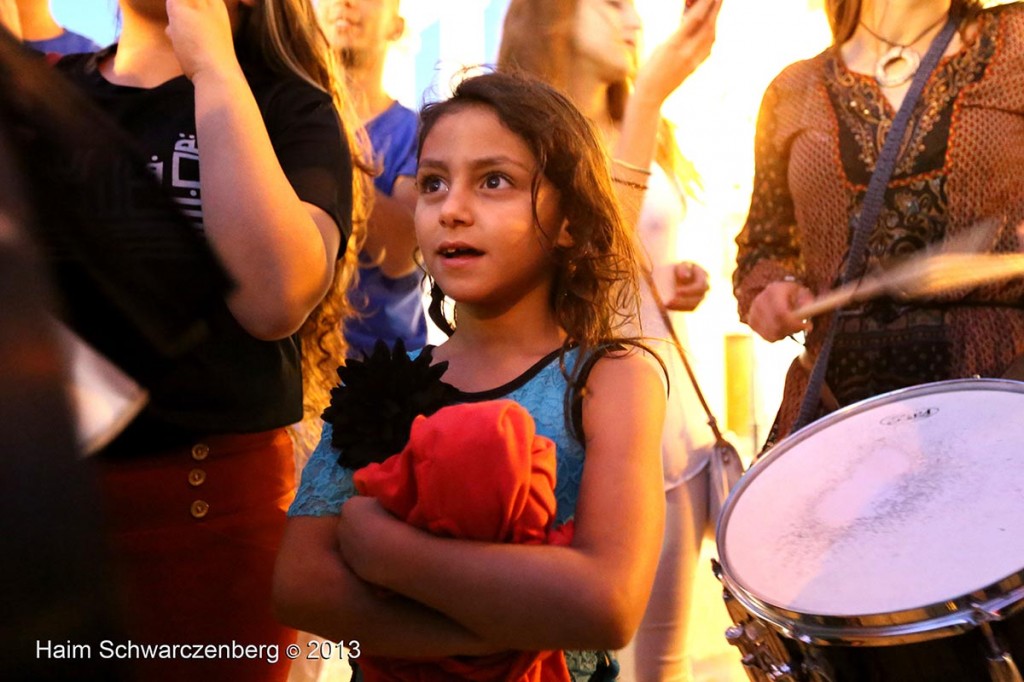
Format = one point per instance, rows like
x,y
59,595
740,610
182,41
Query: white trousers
x,y
658,651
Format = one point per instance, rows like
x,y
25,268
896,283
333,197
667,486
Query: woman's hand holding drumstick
x,y
774,314
955,264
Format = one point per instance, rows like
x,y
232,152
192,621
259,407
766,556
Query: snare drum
x,y
885,541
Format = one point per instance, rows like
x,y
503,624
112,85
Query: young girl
x,y
517,223
588,49
233,104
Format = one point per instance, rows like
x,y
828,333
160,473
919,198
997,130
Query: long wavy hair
x,y
285,34
843,15
537,39
595,293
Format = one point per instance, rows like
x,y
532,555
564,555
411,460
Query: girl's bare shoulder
x,y
634,367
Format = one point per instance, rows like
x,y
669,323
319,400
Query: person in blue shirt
x,y
41,32
387,297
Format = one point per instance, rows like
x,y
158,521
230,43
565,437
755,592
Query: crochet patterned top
x,y
820,131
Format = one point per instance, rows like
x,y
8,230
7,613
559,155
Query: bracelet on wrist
x,y
634,185
632,167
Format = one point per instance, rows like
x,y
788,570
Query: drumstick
x,y
926,276
953,264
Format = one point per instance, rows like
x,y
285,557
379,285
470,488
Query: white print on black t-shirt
x,y
184,185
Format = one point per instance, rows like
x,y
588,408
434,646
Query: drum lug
x,y
1001,666
764,656
762,653
760,665
798,635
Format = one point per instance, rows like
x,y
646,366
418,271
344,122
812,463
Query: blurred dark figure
x,y
57,596
149,292
54,573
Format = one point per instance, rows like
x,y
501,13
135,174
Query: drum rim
x,y
997,601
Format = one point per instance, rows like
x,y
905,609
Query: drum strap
x,y
856,257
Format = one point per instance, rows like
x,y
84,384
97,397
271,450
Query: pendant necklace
x,y
898,52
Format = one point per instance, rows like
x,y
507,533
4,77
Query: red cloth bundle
x,y
474,471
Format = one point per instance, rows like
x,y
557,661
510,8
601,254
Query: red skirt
x,y
194,532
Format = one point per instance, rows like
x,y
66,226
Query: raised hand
x,y
200,31
690,286
681,53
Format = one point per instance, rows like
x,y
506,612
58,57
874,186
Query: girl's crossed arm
x,y
590,595
280,250
315,591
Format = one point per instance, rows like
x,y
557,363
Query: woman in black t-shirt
x,y
234,104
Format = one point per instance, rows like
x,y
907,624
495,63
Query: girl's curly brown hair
x,y
595,293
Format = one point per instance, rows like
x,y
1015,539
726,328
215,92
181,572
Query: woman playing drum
x,y
822,124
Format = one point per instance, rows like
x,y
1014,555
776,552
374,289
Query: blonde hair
x,y
285,34
537,39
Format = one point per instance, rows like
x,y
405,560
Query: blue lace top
x,y
541,389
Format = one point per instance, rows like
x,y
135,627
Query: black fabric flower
x,y
372,410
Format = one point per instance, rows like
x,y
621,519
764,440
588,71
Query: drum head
x,y
900,502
